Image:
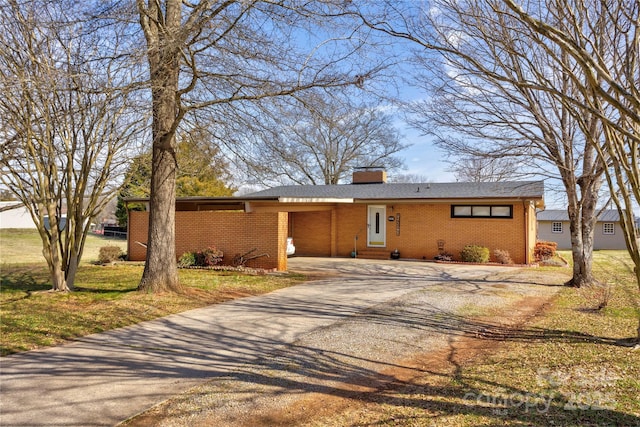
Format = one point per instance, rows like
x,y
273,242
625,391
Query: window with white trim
x,y
481,211
556,227
608,228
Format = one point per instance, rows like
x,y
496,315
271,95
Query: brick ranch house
x,y
369,217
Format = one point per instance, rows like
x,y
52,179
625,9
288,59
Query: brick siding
x,y
314,243
421,226
232,232
332,232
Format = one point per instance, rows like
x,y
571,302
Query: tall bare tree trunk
x,y
58,282
162,35
582,220
51,249
161,272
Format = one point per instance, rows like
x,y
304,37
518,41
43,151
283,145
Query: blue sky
x,y
423,158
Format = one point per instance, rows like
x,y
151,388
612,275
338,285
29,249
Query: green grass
x,y
105,298
24,246
570,367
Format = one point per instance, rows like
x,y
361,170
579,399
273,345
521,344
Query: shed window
x,y
556,227
481,211
608,228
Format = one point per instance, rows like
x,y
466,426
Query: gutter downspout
x,y
527,249
126,207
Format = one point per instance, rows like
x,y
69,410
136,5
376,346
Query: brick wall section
x,y
311,233
137,232
421,226
367,177
232,232
352,221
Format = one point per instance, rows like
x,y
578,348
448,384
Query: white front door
x,y
376,235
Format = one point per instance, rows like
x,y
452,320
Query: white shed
x,y
14,214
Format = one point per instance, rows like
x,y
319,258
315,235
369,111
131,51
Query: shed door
x,y
376,235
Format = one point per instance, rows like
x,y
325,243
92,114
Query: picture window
x,y
481,211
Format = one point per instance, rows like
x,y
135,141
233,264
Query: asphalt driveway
x,y
357,318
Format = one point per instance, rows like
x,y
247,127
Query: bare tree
x,y
603,38
484,169
206,57
485,73
318,139
64,125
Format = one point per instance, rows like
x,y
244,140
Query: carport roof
x,y
415,191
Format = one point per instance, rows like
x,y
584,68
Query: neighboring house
x,y
14,214
553,225
368,218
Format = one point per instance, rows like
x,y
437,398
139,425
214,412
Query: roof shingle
x,y
461,190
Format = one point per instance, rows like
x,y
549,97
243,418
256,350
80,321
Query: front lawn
x,y
24,246
31,316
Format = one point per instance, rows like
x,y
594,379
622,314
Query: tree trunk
x,y
51,255
72,269
582,225
51,250
161,268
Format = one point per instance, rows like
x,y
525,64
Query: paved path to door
x,y
312,332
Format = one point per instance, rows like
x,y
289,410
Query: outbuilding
x,y
553,226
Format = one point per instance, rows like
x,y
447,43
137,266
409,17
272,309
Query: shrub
x,y
502,256
188,259
212,256
597,296
545,250
109,254
474,253
554,245
206,258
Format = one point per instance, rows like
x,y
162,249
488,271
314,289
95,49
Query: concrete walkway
x,y
106,378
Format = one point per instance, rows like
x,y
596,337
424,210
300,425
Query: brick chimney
x,y
369,175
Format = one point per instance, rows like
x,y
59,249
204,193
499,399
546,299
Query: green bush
x,y
188,259
474,253
109,254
